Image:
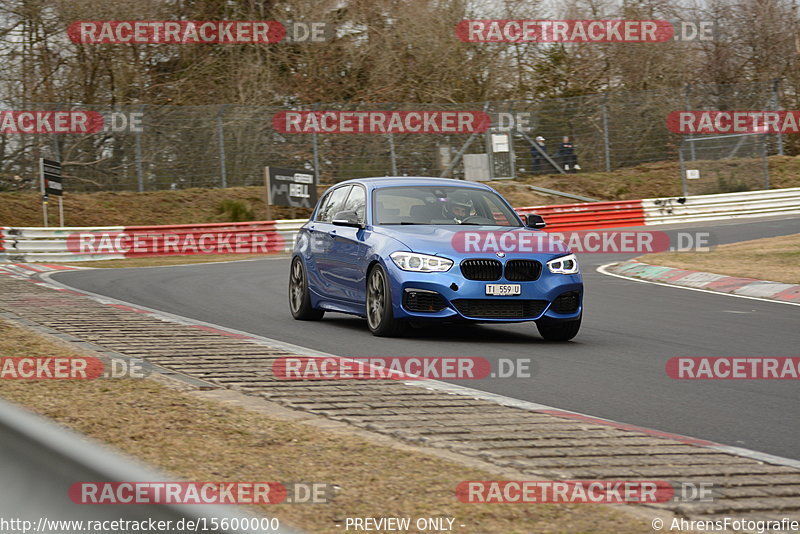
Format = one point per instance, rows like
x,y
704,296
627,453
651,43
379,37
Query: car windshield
x,y
441,205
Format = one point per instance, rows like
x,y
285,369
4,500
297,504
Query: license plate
x,y
501,290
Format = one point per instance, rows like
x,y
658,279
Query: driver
x,y
458,207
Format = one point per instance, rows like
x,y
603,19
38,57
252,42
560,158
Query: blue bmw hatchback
x,y
403,251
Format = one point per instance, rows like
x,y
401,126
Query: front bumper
x,y
452,287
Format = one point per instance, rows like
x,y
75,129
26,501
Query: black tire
x,y
299,299
380,317
559,330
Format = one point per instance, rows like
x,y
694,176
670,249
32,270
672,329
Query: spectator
x,y
539,162
567,157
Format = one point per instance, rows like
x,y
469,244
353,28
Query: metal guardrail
x,y
39,461
722,206
51,244
670,210
35,244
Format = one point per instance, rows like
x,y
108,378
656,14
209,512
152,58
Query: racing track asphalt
x,y
614,369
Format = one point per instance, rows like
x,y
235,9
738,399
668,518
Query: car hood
x,y
455,241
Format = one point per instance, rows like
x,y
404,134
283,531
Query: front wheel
x,y
559,330
380,317
299,299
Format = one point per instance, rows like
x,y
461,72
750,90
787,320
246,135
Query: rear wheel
x,y
380,317
299,299
559,330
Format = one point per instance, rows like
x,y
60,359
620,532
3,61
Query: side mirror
x,y
534,221
346,218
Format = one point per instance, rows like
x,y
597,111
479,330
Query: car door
x,y
324,247
348,263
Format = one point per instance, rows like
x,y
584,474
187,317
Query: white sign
x,y
692,174
500,142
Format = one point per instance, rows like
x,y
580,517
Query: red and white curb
x,y
24,271
436,385
718,283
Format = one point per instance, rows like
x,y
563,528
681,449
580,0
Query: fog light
x,y
423,300
566,302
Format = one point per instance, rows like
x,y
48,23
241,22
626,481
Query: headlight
x,y
408,261
564,265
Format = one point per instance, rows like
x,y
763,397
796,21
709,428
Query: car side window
x,y
322,204
357,202
332,204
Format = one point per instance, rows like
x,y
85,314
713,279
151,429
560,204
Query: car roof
x,y
394,181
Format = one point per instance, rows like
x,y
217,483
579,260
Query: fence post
x,y
765,160
776,105
54,139
57,157
687,106
684,185
315,142
315,147
223,174
487,138
392,154
512,155
606,143
138,154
